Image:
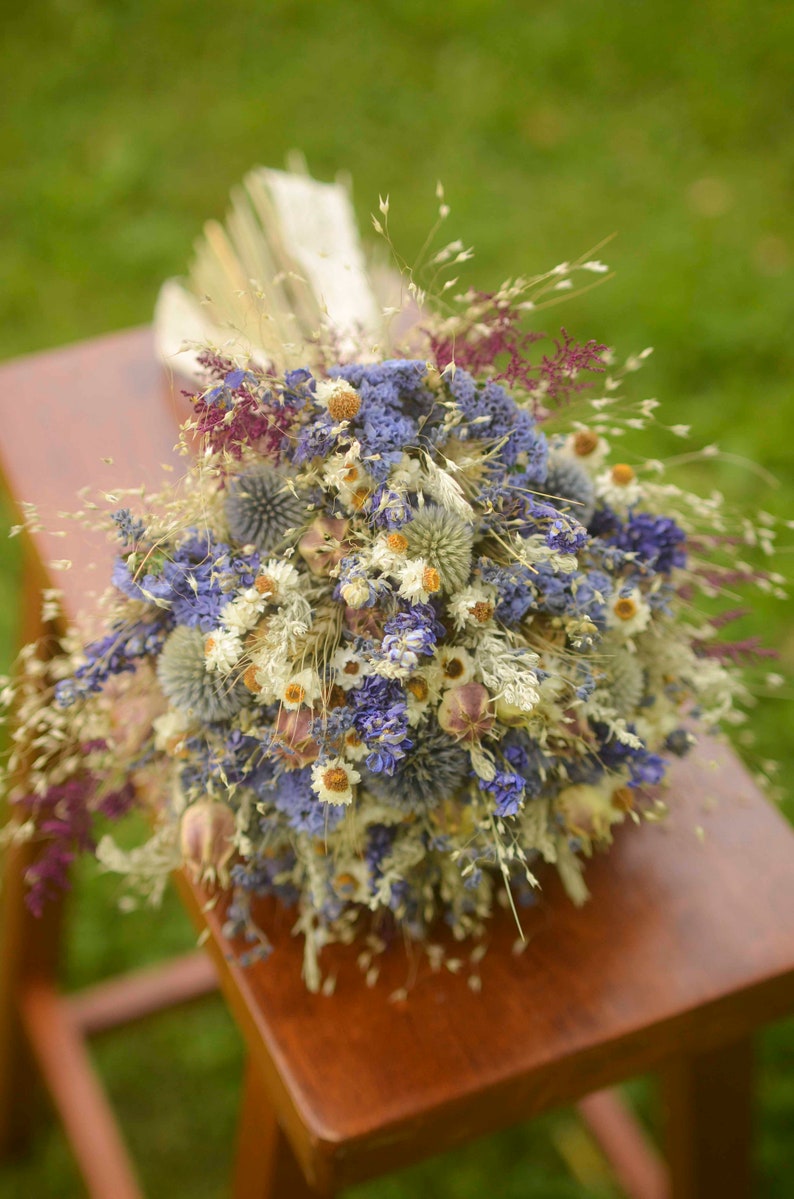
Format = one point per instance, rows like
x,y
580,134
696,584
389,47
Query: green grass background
x,y
552,125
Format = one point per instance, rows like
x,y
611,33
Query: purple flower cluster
x,y
380,717
508,790
117,653
238,413
408,635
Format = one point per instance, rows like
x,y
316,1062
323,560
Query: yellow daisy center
x,y
335,779
625,608
622,474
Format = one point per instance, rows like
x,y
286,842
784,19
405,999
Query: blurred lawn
x,y
666,123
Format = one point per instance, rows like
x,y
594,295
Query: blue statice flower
x,y
490,414
380,717
315,440
394,398
514,590
508,791
195,580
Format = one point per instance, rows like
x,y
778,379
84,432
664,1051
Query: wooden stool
x,y
685,948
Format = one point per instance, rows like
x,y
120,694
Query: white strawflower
x,y
333,781
339,397
222,650
356,593
283,574
474,606
353,747
241,613
418,580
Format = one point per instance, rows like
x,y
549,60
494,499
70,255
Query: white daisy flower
x,y
422,689
618,486
333,781
586,447
388,551
299,689
349,668
354,748
628,614
455,664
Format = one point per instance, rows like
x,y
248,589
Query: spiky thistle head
x,y
626,682
260,508
444,539
186,682
570,488
430,773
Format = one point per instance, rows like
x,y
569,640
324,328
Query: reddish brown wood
x,y
78,1096
265,1166
132,997
29,948
709,1118
679,952
638,1168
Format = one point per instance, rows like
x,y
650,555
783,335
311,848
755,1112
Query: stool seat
x,y
684,949
685,944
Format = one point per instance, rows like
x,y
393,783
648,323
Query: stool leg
x,y
265,1166
709,1123
29,947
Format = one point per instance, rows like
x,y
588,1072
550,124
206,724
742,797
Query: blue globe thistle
x,y
429,773
260,508
444,540
188,684
570,488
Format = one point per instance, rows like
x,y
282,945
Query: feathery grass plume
x,y
430,773
570,488
260,508
188,684
444,540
